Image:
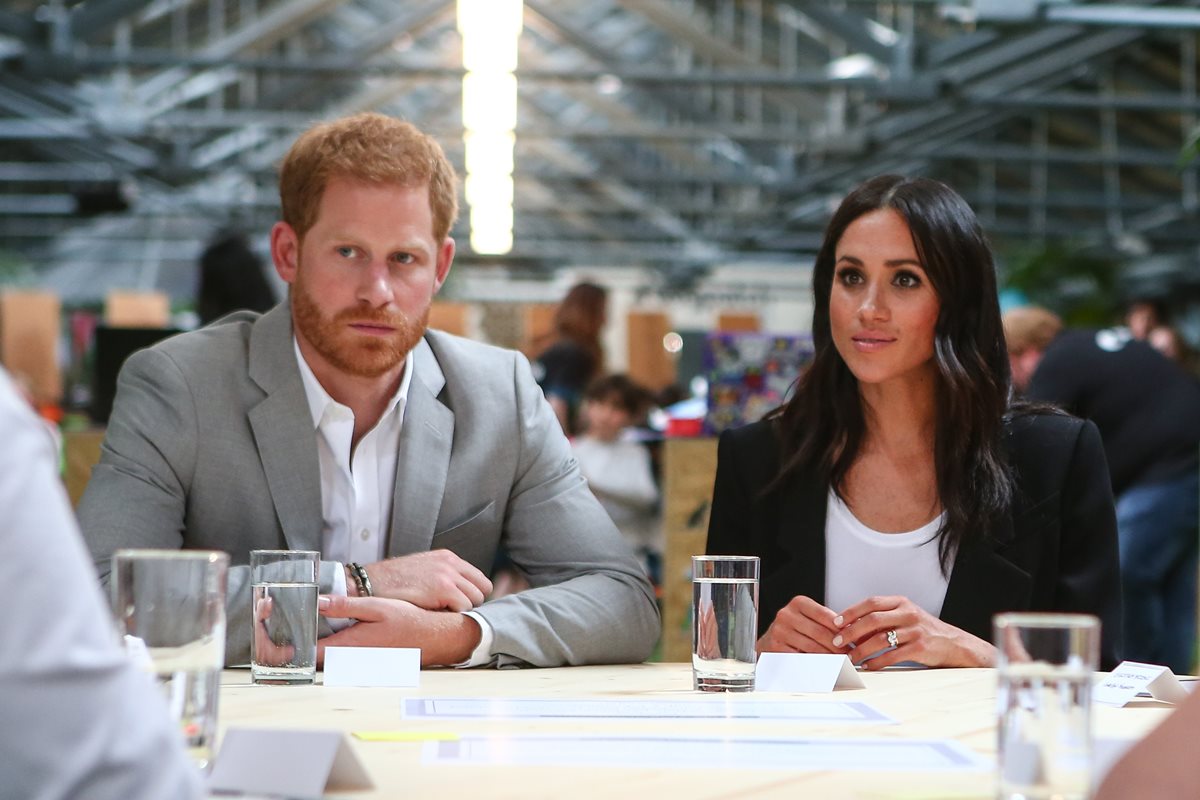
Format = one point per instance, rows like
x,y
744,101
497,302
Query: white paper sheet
x,y
758,752
699,708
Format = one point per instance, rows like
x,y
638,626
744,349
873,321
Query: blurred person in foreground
x,y
337,422
80,719
1147,409
897,501
1162,766
574,357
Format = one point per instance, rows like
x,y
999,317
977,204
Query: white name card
x,y
373,666
1131,677
805,672
287,762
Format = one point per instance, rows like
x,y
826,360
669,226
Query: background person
x,y
337,422
1148,412
575,356
231,279
896,501
618,469
79,719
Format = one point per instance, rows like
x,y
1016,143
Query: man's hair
x,y
1030,327
619,391
372,148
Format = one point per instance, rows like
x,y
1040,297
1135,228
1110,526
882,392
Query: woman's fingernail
x,y
837,640
323,602
838,620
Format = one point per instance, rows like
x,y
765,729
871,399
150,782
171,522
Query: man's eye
x,y
345,251
403,258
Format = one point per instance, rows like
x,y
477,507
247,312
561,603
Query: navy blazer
x,y
1056,549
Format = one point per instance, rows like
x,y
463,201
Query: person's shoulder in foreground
x,y
80,720
1162,766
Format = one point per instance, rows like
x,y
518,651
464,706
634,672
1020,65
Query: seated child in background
x,y
618,468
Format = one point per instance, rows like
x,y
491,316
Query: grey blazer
x,y
211,446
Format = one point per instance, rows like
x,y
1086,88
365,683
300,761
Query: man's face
x,y
364,275
1023,365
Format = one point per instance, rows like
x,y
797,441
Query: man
x,y
80,719
1148,413
336,422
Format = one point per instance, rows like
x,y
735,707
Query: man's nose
x,y
374,287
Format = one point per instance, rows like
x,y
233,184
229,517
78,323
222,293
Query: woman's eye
x,y
906,280
850,277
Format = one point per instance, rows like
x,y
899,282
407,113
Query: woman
x,y
896,501
575,357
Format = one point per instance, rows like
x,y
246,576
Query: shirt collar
x,y
319,400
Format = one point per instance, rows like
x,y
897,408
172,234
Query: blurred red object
x,y
684,427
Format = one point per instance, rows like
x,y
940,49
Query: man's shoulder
x,y
222,336
457,353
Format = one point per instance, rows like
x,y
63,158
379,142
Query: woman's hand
x,y
802,626
919,636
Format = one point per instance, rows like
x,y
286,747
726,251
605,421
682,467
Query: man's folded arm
x,y
590,602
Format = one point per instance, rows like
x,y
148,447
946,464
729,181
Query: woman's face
x,y
882,308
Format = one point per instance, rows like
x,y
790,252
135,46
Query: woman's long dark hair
x,y
821,427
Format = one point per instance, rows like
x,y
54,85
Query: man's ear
x,y
285,251
445,257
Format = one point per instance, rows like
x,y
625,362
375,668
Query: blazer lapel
x,y
980,564
423,459
801,537
283,431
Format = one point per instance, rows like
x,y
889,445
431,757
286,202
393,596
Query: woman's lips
x,y
870,343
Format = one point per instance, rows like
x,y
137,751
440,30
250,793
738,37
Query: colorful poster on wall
x,y
749,374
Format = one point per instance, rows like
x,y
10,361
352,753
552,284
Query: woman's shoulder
x,y
1042,424
754,435
751,448
1045,440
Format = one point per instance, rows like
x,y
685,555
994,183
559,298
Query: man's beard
x,y
364,356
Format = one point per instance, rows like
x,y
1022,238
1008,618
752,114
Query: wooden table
x,y
940,704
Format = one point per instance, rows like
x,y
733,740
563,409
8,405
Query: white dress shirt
x,y
80,719
357,483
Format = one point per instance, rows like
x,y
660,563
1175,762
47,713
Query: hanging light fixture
x,y
490,30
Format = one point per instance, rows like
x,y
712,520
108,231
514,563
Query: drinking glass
x,y
170,609
283,596
724,622
1044,668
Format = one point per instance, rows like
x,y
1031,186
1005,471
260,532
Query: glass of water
x,y
170,608
1044,666
283,597
724,622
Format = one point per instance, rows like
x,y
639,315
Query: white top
x,y
357,487
619,474
861,562
80,720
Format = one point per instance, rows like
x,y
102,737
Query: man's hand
x,y
802,626
445,637
266,652
435,580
